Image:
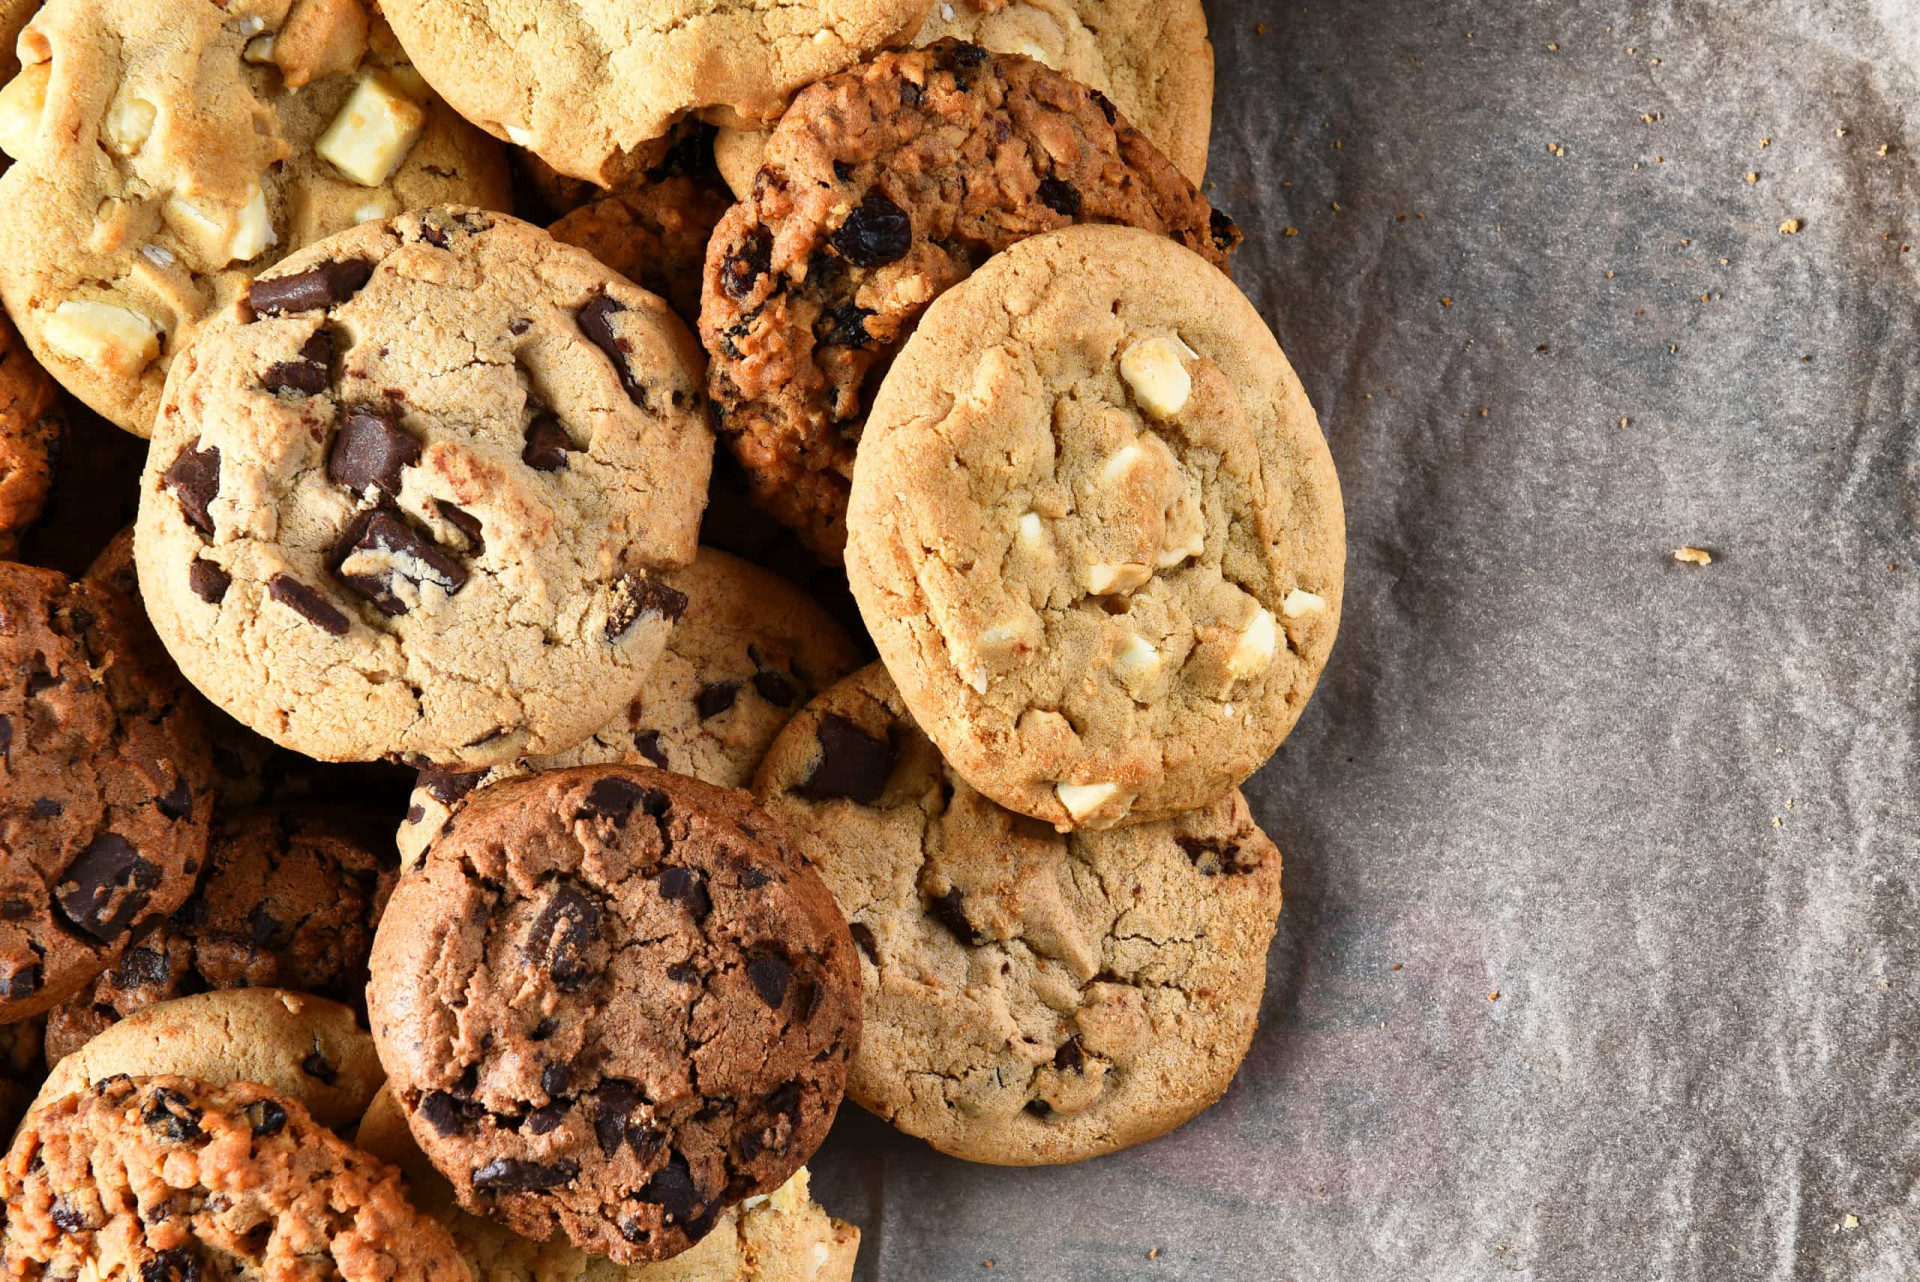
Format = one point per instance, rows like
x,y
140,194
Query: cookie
x,y
747,653
612,1001
31,430
1096,532
783,1236
166,152
1030,997
543,194
586,84
104,788
883,188
303,1048
288,900
20,1071
653,231
365,533
1153,61
168,1177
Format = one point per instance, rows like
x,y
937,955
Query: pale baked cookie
x,y
31,429
168,1179
304,1048
1096,532
1030,997
783,1236
588,84
1153,60
417,506
748,653
168,151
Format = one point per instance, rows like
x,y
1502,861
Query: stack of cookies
x,y
471,825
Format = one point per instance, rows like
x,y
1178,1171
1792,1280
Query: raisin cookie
x,y
105,788
1152,60
612,1001
288,900
1031,997
783,1236
415,506
170,1178
1096,532
883,188
749,651
589,85
303,1048
31,431
167,153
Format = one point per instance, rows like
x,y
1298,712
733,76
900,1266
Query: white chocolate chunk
x,y
1124,460
1034,50
793,1196
158,255
1001,635
1031,533
259,49
978,680
821,1254
252,25
519,137
1298,604
374,132
114,338
1082,799
1153,369
381,204
1254,650
255,231
21,103
128,125
1124,577
1138,661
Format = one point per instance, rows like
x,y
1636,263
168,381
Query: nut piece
x,y
374,132
259,49
1158,377
129,123
21,103
1124,577
1083,799
120,341
1299,604
1254,650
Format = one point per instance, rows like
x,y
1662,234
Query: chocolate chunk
x,y
614,798
518,326
317,1067
208,581
168,1115
950,911
106,887
715,698
378,551
449,786
370,449
596,322
613,1105
647,744
853,764
542,1121
193,478
65,1218
1213,856
1105,104
1039,1108
911,94
770,976
1061,197
864,937
465,522
681,973
6,737
774,688
322,286
309,374
446,1114
687,888
752,878
178,803
1069,1057
264,926
433,234
1224,231
544,1029
308,604
876,233
547,444
744,265
633,595
561,934
18,982
672,1190
554,1079
47,808
510,1175
266,1117
140,967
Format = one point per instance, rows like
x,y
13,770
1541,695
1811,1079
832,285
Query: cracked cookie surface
x,y
883,188
105,788
749,651
417,506
584,83
170,1178
165,152
1096,532
1031,997
31,429
612,1001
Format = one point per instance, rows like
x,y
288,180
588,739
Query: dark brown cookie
x,y
883,187
31,430
289,900
105,788
167,1179
653,231
611,1002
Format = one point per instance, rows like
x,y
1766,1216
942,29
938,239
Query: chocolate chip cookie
x,y
882,188
31,430
166,152
611,1002
170,1178
288,900
748,652
1030,997
416,507
104,788
1096,532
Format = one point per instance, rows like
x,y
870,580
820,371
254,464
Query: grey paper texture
x,y
1667,812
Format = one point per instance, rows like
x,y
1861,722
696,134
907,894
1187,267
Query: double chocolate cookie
x,y
611,1002
882,188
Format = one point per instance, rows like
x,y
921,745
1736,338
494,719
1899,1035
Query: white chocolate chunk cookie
x,y
584,84
1087,493
415,500
749,651
1030,997
165,152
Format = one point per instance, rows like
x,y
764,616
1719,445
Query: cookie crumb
x,y
1693,556
1753,175
1446,302
1396,965
1494,996
1291,231
1154,1254
1851,1222
1766,142
1791,227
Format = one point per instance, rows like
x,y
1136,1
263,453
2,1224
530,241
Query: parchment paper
x,y
1667,812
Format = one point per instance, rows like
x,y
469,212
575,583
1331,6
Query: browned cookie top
x,y
104,788
611,1002
30,433
289,900
166,1179
654,231
882,188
